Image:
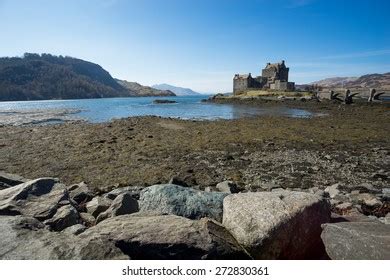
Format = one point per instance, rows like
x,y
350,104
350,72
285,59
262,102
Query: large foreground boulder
x,y
186,202
24,238
277,225
38,198
357,240
167,237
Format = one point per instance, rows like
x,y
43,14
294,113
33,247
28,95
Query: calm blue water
x,y
187,107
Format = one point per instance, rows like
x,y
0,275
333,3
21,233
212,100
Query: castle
x,y
273,76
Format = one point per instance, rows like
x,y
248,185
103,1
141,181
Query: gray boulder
x,y
80,193
168,237
65,216
9,180
133,190
98,205
75,229
227,187
333,190
24,238
176,200
38,198
123,204
344,207
87,219
277,225
357,241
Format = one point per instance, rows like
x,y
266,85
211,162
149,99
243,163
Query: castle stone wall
x,y
268,73
240,85
279,85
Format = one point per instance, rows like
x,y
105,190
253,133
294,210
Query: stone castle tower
x,y
274,76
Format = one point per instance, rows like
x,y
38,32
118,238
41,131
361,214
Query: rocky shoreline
x,y
44,219
260,188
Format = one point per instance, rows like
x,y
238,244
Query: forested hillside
x,y
38,77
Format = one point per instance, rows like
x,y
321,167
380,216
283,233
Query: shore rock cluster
x,y
45,219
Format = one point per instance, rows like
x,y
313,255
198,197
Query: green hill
x,y
41,77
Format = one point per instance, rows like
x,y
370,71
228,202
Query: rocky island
x,y
164,101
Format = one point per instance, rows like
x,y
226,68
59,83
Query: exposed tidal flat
x,y
147,150
338,160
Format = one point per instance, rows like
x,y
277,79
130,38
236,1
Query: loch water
x,y
187,107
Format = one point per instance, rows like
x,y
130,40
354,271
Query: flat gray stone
x,y
357,240
75,229
38,198
87,219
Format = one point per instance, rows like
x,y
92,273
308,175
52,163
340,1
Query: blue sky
x,y
201,44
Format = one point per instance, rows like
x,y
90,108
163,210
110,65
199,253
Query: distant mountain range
x,y
144,90
381,81
42,77
177,90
